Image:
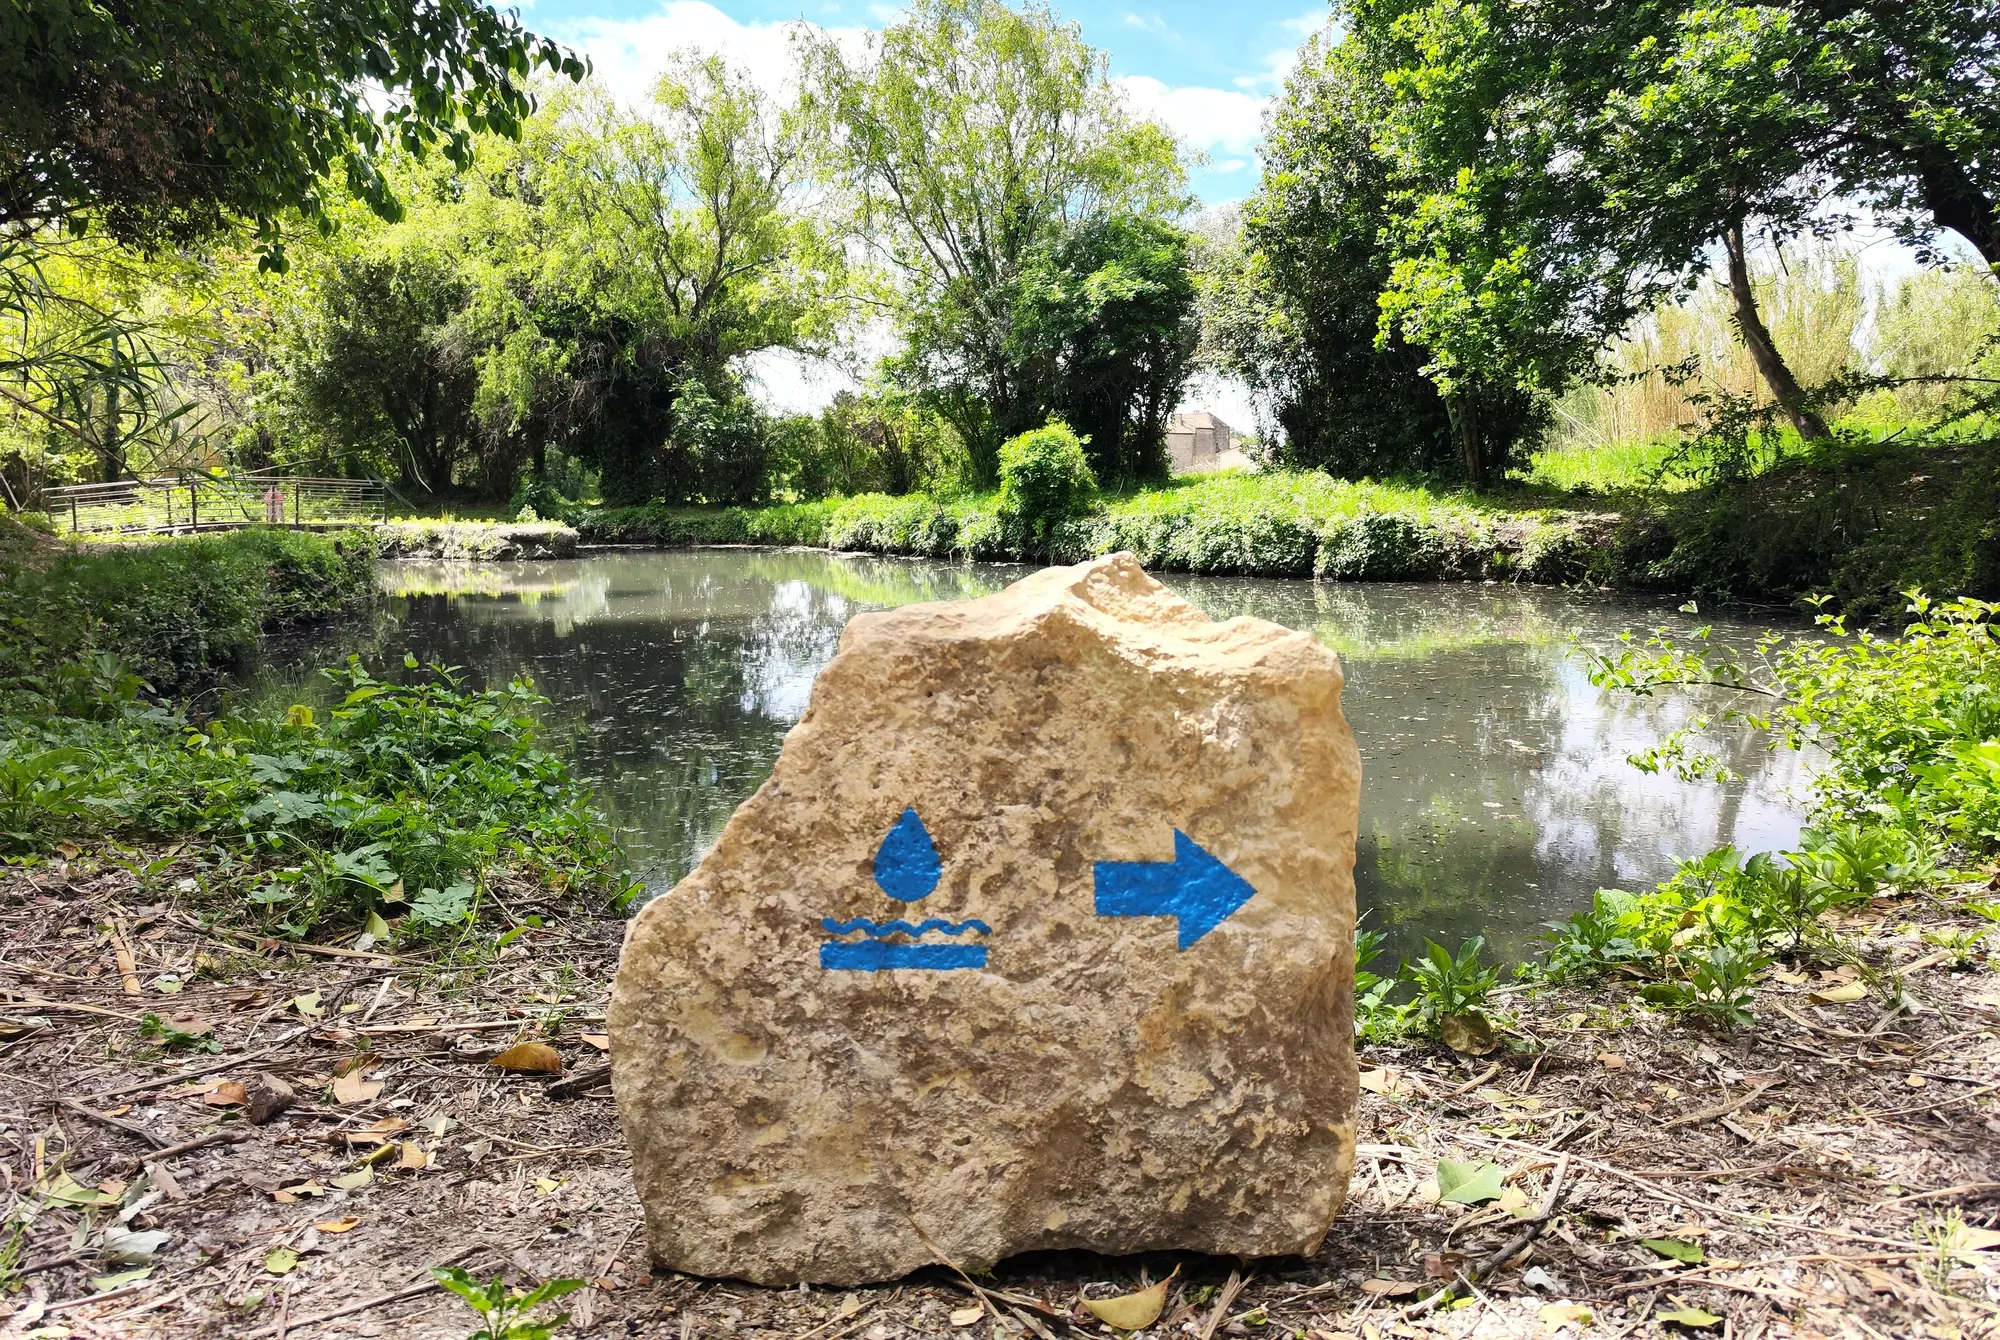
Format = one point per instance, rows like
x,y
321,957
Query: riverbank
x,y
1860,524
179,613
1827,1164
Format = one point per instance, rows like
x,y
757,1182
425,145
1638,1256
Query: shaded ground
x,y
1835,1169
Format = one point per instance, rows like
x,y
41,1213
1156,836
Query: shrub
x,y
180,612
1045,480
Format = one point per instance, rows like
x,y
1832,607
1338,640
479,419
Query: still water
x,y
1495,790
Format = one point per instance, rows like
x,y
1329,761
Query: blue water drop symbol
x,y
906,864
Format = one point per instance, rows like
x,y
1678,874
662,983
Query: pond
x,y
1496,793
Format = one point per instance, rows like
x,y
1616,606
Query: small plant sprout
x,y
504,1311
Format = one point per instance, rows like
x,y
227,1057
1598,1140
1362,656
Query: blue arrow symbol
x,y
1194,888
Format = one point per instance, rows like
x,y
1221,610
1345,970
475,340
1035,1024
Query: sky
x,y
1204,70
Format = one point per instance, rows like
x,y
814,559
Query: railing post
x,y
194,507
72,514
295,504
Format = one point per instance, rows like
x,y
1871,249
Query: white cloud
x,y
629,54
1151,23
1215,119
1230,165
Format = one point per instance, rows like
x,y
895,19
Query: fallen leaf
x,y
337,1225
1611,1061
308,1005
1978,1239
1467,1034
1674,1250
265,1096
289,1195
118,1111
1381,1081
437,1125
124,1248
1915,1081
601,1041
106,1283
355,1180
1443,1265
849,1306
1844,994
226,1094
66,1190
546,1186
1132,1311
351,1088
1692,1317
965,1316
1513,1200
376,928
1468,1183
1790,978
415,1157
530,1058
281,1261
478,1150
192,1026
1388,1288
1555,1316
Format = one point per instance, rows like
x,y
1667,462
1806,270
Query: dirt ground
x,y
1832,1171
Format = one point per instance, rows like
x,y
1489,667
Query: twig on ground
x,y
233,1136
1233,1287
1757,1090
1514,1246
132,1129
162,1081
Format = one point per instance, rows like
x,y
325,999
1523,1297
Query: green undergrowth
x,y
476,541
1286,524
388,808
1909,730
178,613
372,807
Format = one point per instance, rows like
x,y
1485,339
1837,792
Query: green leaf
x,y
1467,1183
1675,1250
1692,1317
106,1283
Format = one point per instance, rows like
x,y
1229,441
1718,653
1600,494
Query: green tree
x,y
165,119
972,138
644,250
1568,165
1105,331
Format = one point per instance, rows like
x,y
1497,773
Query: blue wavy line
x,y
876,931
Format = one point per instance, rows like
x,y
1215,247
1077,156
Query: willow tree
x,y
972,140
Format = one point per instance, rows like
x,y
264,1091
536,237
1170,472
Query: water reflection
x,y
1496,793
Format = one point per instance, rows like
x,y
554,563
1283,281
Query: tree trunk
x,y
1465,427
1956,203
1785,388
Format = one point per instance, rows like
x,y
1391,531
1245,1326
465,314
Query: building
x,y
1197,440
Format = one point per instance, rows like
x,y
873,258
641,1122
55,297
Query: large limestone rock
x,y
1039,936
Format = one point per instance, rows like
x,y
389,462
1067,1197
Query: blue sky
x,y
1203,70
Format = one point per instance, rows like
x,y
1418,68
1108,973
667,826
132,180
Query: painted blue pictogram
x,y
907,868
1194,888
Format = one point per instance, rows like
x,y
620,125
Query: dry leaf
x,y
530,1058
1467,1034
965,1316
1978,1239
1132,1311
351,1088
281,1261
1512,1199
1789,978
337,1225
265,1097
1555,1316
601,1041
849,1306
1844,994
1611,1061
1915,1081
355,1180
308,1005
1379,1081
290,1195
415,1157
226,1094
1388,1288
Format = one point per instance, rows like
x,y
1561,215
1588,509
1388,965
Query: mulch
x,y
1833,1170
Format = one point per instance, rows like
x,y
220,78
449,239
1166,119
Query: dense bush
x,y
1045,480
395,800
178,612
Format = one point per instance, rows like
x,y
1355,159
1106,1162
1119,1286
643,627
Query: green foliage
x,y
398,797
981,146
178,612
1045,480
504,1313
1450,985
164,119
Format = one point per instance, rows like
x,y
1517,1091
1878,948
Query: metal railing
x,y
192,500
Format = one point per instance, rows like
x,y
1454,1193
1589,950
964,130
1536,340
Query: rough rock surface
x,y
1038,1057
